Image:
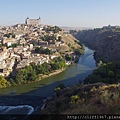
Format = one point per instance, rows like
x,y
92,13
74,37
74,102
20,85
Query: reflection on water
x,y
69,77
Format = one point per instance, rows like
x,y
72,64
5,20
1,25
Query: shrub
x,y
59,87
74,98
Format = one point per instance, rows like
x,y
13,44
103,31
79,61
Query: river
x,y
45,88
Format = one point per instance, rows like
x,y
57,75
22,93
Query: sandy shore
x,y
53,73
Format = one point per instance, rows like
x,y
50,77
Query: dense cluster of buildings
x,y
18,43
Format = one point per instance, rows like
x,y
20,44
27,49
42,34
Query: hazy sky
x,y
72,13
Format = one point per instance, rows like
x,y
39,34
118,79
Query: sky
x,y
68,13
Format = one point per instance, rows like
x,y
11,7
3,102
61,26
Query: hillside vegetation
x,y
100,94
105,41
71,44
96,98
107,73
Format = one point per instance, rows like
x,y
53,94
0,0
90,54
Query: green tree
x,y
21,76
32,76
59,87
68,58
43,51
55,66
45,68
59,38
13,35
57,29
111,74
4,83
82,46
69,45
106,73
12,82
0,45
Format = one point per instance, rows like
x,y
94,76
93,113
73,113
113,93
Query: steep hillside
x,y
96,98
100,94
70,39
70,43
105,41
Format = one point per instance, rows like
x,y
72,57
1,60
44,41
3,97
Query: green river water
x,y
71,76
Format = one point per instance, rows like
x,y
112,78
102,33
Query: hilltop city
x,y
19,45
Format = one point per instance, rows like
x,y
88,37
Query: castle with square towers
x,y
33,21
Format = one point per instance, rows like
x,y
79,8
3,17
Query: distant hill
x,y
75,28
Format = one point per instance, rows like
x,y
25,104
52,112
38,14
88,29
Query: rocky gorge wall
x,y
105,41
